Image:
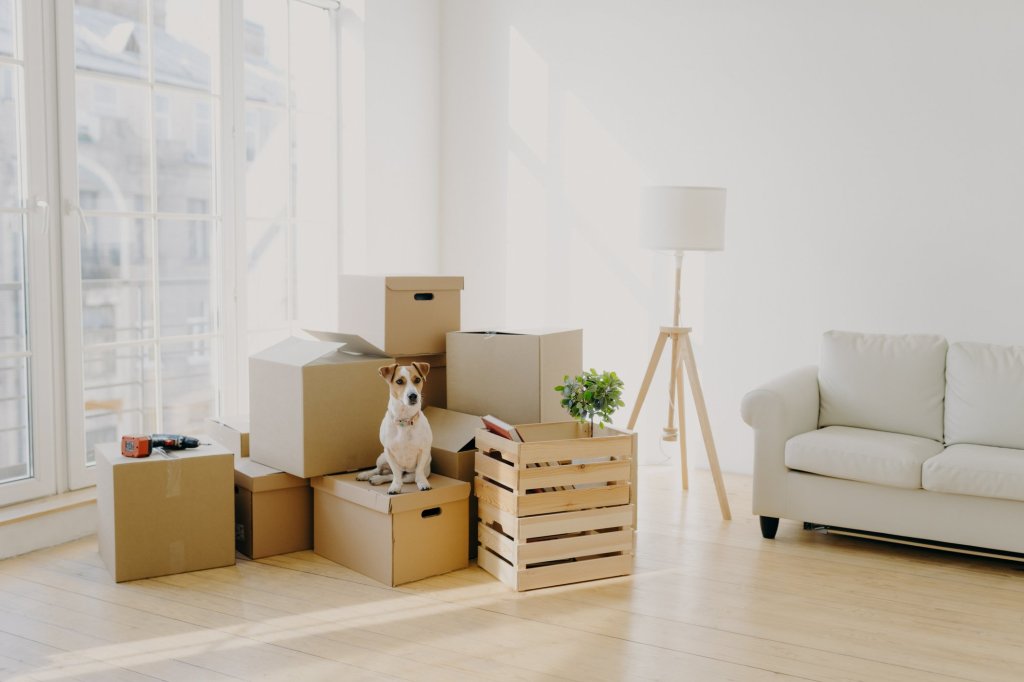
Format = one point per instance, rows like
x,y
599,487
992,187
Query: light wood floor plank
x,y
710,600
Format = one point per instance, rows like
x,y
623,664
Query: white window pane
x,y
7,34
266,168
15,454
313,60
117,280
111,37
185,42
316,277
113,145
11,171
189,393
187,300
267,251
266,51
184,153
13,320
120,394
315,170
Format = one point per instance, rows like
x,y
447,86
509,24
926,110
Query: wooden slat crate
x,y
558,508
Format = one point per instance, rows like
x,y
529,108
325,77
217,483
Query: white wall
x,y
873,153
390,122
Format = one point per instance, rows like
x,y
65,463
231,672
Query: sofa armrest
x,y
777,411
788,404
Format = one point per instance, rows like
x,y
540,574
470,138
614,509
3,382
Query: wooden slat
x,y
488,513
574,474
572,500
574,572
574,522
485,440
497,568
496,470
491,539
577,448
488,493
575,546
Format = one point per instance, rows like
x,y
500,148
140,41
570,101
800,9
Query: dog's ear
x,y
423,368
388,372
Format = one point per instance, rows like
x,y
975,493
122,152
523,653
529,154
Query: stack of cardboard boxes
x,y
315,413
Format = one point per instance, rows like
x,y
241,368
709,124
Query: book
x,y
502,428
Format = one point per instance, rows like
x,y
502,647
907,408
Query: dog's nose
x,y
413,397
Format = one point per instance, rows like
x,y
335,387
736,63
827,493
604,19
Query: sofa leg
x,y
769,526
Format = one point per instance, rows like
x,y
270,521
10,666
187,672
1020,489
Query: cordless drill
x,y
142,446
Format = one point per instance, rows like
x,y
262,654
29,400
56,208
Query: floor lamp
x,y
680,219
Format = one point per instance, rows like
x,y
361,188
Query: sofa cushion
x,y
979,470
882,382
985,395
892,459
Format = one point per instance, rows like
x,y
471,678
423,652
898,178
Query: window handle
x,y
71,207
42,206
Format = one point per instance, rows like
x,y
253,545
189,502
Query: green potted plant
x,y
591,395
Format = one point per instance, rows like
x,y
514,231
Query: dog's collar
x,y
408,421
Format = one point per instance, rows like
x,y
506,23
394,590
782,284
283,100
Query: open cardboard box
x,y
314,409
231,432
453,453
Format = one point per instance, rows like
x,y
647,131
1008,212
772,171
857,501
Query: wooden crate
x,y
555,549
559,507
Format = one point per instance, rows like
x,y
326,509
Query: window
x,y
26,426
198,182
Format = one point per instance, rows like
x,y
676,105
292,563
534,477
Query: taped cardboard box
x,y
394,539
512,374
399,315
231,432
164,514
436,392
273,511
315,409
453,453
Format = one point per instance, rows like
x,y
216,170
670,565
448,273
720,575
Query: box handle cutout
x,y
423,297
433,511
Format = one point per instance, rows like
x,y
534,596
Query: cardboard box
x,y
400,315
164,514
394,539
512,374
453,453
315,410
273,511
436,393
231,432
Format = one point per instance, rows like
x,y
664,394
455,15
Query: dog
x,y
404,432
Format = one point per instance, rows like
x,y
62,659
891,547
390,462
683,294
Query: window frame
x,y
40,220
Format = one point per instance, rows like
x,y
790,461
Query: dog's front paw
x,y
423,485
380,479
396,488
366,475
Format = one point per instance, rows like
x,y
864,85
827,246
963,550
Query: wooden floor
x,y
710,600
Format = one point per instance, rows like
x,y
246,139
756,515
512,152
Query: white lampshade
x,y
683,219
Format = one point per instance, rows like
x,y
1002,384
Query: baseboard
x,y
917,542
45,523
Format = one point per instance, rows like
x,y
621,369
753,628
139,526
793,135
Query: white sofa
x,y
898,435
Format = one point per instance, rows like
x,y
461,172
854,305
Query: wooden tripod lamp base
x,y
682,356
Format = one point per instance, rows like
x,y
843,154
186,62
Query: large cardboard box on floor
x,y
400,315
231,432
164,514
453,453
436,391
512,374
273,511
315,409
394,539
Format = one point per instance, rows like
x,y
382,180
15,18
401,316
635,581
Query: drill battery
x,y
136,446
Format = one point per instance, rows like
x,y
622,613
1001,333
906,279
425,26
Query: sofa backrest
x,y
985,395
883,382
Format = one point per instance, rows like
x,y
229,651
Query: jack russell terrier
x,y
404,433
